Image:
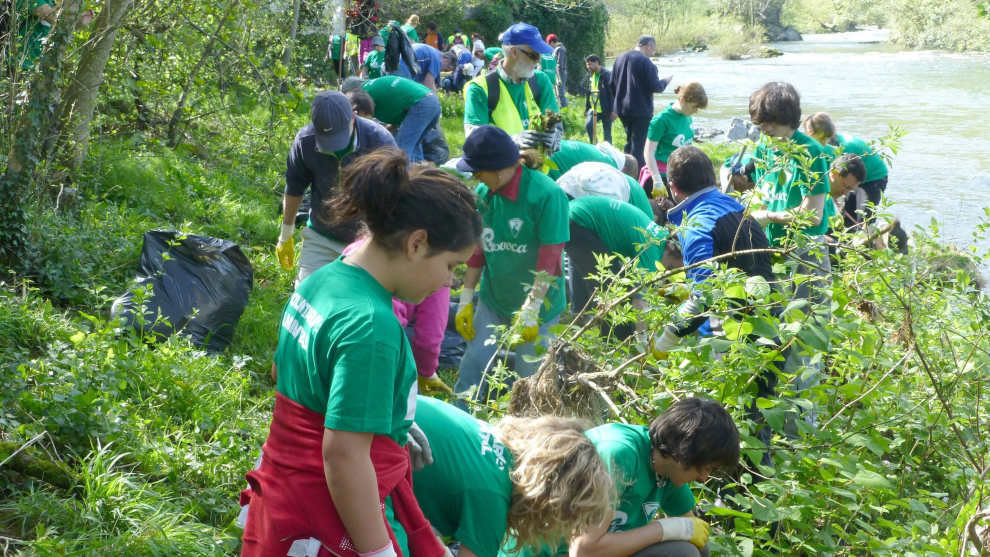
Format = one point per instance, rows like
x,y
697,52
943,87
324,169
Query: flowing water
x,y
940,99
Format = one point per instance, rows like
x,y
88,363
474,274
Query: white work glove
x,y
688,529
419,448
659,346
527,322
528,139
761,216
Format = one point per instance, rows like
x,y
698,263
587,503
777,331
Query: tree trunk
x,y
293,33
35,126
77,109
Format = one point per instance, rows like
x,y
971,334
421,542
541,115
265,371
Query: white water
x,y
940,99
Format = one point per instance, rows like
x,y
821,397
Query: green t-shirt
x,y
490,53
638,198
670,129
466,492
393,95
342,353
31,30
572,153
783,183
375,62
876,168
548,65
511,239
476,100
621,226
411,33
626,451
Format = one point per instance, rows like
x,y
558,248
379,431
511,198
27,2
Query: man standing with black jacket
x,y
635,79
600,98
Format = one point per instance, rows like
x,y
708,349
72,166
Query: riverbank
x,y
150,442
868,85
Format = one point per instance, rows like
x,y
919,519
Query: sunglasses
x,y
532,55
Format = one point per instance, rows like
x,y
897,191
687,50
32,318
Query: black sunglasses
x,y
532,55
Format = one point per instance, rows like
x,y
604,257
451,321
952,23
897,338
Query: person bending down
x,y
652,468
531,477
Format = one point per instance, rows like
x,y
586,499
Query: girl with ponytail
x,y
346,381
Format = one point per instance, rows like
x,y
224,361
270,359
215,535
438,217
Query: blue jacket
x,y
715,224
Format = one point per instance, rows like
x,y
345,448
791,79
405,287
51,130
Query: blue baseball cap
x,y
488,148
525,34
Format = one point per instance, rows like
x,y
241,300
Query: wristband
x,y
286,233
387,551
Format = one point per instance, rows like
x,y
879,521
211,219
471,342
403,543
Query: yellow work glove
x,y
464,319
688,529
527,322
285,248
433,385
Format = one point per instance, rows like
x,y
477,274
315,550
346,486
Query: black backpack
x,y
494,91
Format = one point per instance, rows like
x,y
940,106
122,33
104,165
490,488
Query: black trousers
x,y
581,250
606,121
636,128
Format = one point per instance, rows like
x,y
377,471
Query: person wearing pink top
x,y
429,320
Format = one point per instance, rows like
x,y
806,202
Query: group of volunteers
x,y
359,462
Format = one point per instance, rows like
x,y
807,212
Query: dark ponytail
x,y
394,199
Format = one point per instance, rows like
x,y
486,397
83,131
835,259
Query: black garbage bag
x,y
199,286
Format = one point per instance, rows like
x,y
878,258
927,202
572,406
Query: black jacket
x,y
634,80
606,94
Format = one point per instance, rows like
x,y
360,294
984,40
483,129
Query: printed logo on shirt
x,y
650,508
515,225
489,245
620,519
680,141
489,444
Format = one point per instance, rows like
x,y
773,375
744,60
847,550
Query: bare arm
x,y
471,277
45,12
290,206
649,153
430,81
354,487
814,203
599,542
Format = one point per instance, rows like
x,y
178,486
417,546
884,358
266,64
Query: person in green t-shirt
x,y
601,226
652,468
410,28
793,188
407,107
820,127
574,152
669,130
529,476
345,374
519,261
602,179
523,92
374,63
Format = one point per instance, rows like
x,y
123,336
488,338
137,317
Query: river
x,y
940,99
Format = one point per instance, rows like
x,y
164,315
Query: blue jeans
x,y
421,118
478,359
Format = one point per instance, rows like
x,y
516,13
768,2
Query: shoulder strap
x,y
494,90
534,86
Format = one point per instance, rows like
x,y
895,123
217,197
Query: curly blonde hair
x,y
560,486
